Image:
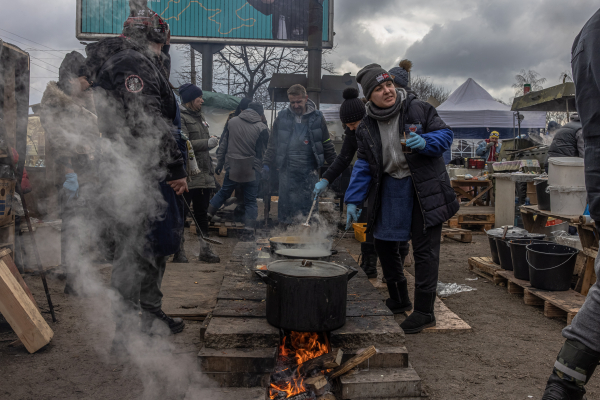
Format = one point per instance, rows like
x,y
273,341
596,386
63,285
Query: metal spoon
x,y
306,224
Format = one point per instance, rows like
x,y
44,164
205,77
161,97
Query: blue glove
x,y
353,213
71,184
320,187
416,142
266,172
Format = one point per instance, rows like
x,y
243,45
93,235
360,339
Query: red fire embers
x,y
295,349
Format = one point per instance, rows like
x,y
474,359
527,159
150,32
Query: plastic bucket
x,y
543,195
518,255
551,266
504,254
494,249
566,171
568,200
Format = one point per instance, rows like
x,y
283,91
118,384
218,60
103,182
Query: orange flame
x,y
304,346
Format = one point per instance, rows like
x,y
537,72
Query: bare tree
x,y
531,77
187,72
425,88
245,71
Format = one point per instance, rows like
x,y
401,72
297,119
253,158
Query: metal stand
x,y
208,51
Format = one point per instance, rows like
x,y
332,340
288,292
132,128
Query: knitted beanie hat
x,y
401,74
370,77
189,92
495,134
257,107
352,109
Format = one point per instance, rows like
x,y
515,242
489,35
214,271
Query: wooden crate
x,y
225,228
477,218
485,267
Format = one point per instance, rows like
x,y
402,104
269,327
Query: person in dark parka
x,y
413,196
143,170
580,354
568,140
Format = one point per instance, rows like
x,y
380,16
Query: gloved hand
x,y
321,186
416,141
218,169
353,213
490,144
71,184
266,172
213,142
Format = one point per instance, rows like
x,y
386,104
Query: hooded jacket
x,y
434,193
195,128
244,136
71,129
283,127
568,140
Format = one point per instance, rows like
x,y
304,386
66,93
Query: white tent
x,y
471,106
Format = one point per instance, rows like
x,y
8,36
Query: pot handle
x,y
266,279
351,271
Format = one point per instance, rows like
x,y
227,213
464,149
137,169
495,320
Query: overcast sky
x,y
447,40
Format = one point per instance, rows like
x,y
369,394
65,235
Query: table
x,y
479,188
505,196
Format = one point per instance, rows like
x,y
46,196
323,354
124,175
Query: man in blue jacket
x,y
298,147
413,196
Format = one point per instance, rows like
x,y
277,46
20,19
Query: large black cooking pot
x,y
306,296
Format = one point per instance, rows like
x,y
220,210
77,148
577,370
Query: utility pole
x,y
315,50
208,50
193,65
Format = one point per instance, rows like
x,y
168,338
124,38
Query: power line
x,y
43,67
29,40
53,66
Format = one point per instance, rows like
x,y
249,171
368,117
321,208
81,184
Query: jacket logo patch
x,y
382,77
134,84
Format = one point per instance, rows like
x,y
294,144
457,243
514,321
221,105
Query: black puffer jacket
x,y
436,197
568,141
585,62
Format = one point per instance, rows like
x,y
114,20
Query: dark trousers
x,y
426,252
200,199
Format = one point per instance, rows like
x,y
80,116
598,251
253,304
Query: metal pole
x,y
193,66
315,50
207,68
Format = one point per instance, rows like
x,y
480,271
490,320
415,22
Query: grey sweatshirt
x,y
394,162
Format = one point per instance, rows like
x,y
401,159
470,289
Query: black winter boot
x,y
399,301
206,253
211,212
422,316
573,368
175,325
180,256
368,259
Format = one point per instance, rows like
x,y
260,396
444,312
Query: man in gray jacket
x,y
568,140
240,152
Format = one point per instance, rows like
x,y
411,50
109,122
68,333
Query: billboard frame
x,y
228,42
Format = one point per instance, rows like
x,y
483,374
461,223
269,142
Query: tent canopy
x,y
471,106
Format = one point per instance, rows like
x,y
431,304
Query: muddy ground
x,y
508,354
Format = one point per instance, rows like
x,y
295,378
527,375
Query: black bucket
x,y
518,255
551,266
543,197
494,249
504,254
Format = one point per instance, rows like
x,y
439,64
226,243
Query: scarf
x,y
385,114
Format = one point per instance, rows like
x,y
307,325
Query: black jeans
x,y
200,199
426,251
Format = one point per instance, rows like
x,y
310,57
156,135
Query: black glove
x,y
219,169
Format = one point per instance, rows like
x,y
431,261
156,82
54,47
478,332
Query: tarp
x,y
471,106
220,100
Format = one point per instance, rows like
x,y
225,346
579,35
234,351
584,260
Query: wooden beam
x,y
353,362
478,196
20,312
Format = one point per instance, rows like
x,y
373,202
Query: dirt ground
x,y
508,354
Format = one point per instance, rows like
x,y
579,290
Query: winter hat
x,y
257,107
495,134
242,106
71,67
370,77
353,108
145,24
189,92
552,125
401,73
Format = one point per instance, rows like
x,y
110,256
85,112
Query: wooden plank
x,y
513,288
479,196
589,276
569,301
483,210
573,219
551,311
223,232
14,270
531,299
20,312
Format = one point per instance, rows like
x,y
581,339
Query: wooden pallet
x,y
556,304
225,227
478,218
464,235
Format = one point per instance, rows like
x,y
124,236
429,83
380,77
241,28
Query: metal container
x,y
297,242
301,254
306,296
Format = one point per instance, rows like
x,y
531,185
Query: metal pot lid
x,y
295,268
498,232
298,241
304,253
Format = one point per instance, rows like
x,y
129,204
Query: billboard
x,y
233,22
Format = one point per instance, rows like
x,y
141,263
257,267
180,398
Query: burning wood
x,y
353,362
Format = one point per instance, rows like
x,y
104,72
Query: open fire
x,y
296,349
